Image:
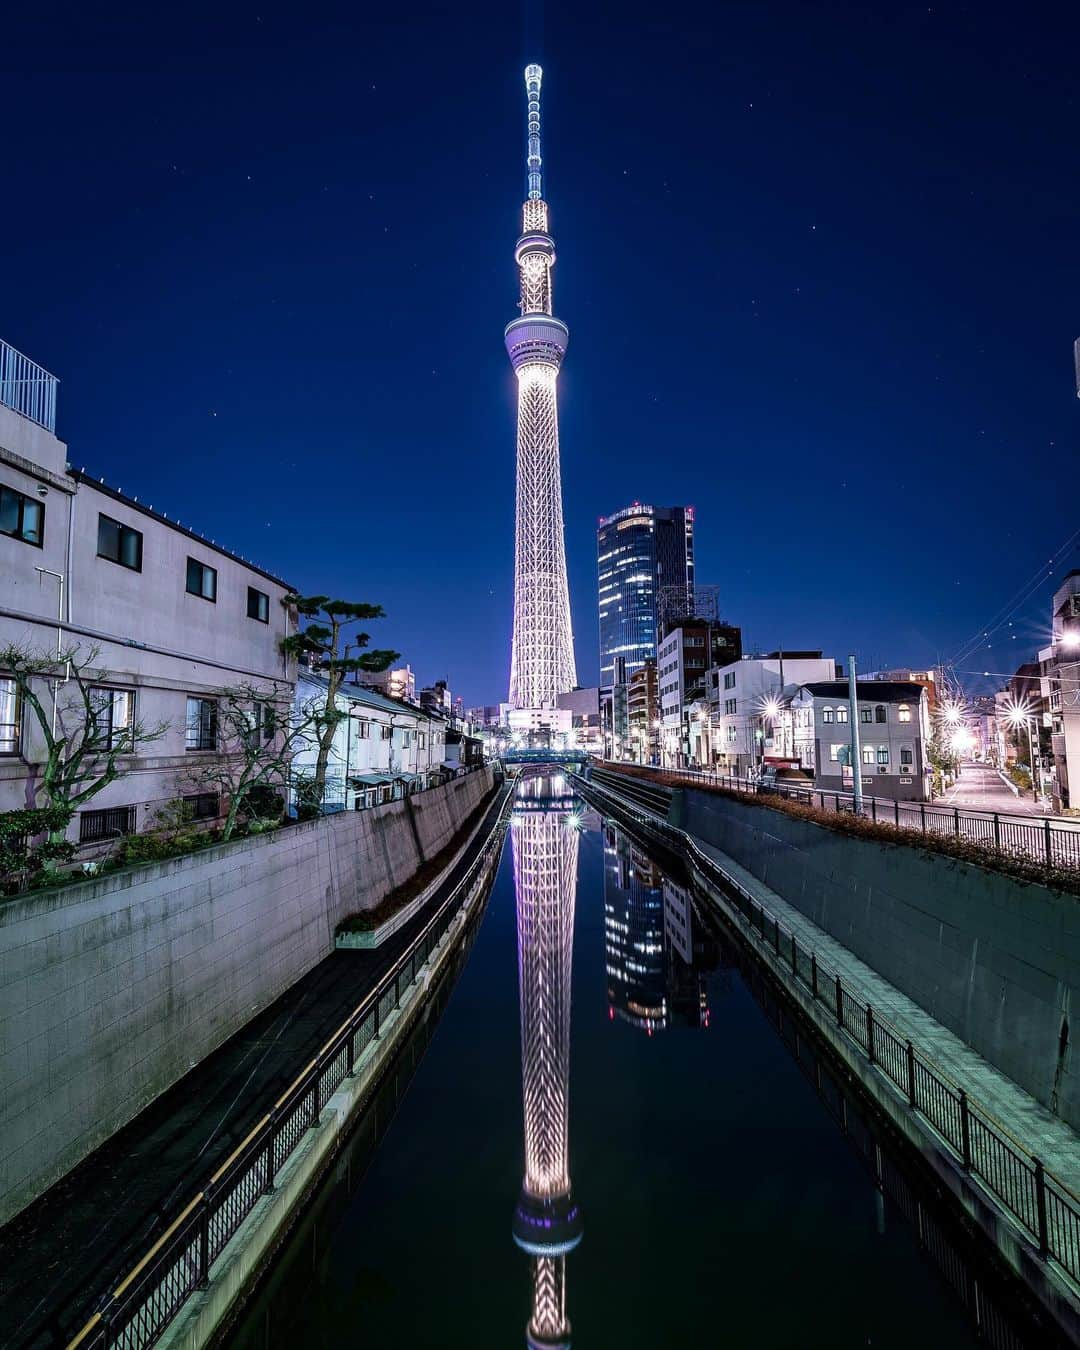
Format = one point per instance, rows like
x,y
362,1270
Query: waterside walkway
x,y
62,1252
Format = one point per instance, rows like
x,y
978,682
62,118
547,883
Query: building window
x,y
729,680
263,723
21,517
107,824
258,605
201,580
421,741
826,714
202,806
731,735
201,724
119,543
114,710
883,754
866,714
386,732
363,729
10,717
907,756
841,714
868,754
834,753
730,705
903,713
880,714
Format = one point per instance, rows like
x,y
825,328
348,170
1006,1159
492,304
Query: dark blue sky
x,y
818,263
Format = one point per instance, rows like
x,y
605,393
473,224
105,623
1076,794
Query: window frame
x,y
205,570
15,740
22,501
102,813
121,529
866,717
881,714
260,596
114,736
212,721
827,716
194,815
869,754
903,712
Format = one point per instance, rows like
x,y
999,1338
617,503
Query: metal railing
x,y
27,388
142,1305
1043,1205
1051,843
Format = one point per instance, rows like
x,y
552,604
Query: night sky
x,y
819,264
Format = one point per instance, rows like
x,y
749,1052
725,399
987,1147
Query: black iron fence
x,y
142,1305
1044,1206
1055,843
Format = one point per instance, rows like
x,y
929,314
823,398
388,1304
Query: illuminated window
x,y
10,717
868,754
903,713
841,714
826,714
834,753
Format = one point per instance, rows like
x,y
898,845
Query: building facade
x,y
643,714
894,728
639,550
1059,666
167,619
745,698
685,657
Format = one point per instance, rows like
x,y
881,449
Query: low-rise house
x,y
746,699
169,617
894,728
382,750
1060,689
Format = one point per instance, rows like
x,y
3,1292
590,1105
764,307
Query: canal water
x,y
599,1132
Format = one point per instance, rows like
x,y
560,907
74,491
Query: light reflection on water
x,y
680,1181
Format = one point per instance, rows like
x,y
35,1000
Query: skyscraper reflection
x,y
547,1221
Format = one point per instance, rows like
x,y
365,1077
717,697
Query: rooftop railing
x,y
27,388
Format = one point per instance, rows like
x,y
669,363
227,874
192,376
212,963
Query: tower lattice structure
x,y
542,655
547,1221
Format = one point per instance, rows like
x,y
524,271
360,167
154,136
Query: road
x,y
979,788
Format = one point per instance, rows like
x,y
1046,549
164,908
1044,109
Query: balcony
x,y
27,388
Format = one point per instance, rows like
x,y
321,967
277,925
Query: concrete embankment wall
x,y
995,959
110,990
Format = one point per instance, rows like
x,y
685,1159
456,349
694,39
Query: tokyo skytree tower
x,y
542,656
547,1221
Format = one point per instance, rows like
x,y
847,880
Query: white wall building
x,y
894,727
381,751
743,729
174,617
1059,665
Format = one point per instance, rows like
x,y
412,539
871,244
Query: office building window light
x,y
201,580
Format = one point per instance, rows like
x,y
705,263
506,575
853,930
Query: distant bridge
x,y
558,757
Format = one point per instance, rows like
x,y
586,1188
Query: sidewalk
x,y
62,1252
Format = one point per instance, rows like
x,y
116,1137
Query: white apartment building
x,y
894,727
382,750
1059,666
174,618
682,659
745,700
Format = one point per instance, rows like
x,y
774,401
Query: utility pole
x,y
856,752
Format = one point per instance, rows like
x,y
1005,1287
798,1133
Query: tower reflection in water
x,y
547,1221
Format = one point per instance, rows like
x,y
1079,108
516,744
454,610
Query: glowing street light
x,y
1070,639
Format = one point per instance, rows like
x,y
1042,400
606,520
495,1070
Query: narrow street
x,y
980,788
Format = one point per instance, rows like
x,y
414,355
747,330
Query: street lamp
x,y
1018,714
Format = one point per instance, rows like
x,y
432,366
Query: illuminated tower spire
x,y
542,656
547,1221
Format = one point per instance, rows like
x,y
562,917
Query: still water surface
x,y
605,1133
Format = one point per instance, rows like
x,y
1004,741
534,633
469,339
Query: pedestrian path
x,y
1040,1132
66,1249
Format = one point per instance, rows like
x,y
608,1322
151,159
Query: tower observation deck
x,y
542,654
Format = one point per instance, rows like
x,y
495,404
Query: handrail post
x,y
965,1131
839,1003
794,957
813,973
776,935
350,1051
204,1239
1049,843
268,1165
375,1015
997,830
870,1032
956,814
922,816
1040,1206
896,813
911,1075
315,1094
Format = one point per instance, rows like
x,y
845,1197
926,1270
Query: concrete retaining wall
x,y
112,989
995,959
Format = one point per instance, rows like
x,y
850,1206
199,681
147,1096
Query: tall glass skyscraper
x,y
639,550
